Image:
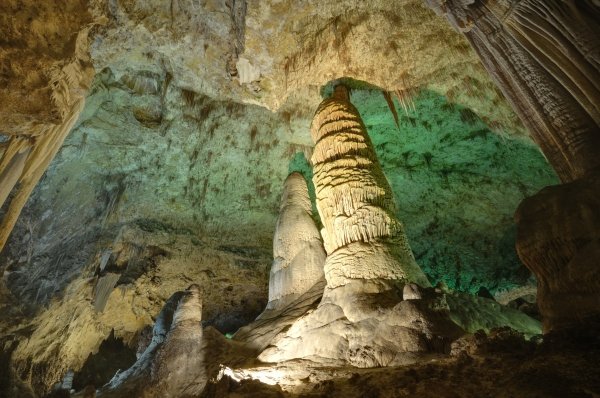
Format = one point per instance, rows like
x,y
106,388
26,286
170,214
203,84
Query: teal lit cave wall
x,y
456,185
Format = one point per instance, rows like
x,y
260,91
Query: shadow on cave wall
x,y
456,183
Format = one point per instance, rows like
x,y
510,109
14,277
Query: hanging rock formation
x,y
40,108
363,238
545,58
297,247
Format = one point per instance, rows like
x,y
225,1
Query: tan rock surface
x,y
298,251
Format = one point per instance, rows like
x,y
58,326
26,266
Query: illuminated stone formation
x,y
298,254
363,238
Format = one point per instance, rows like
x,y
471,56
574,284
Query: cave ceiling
x,y
196,111
247,52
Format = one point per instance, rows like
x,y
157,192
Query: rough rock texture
x,y
42,41
362,319
166,180
362,237
208,169
173,364
62,336
298,254
45,74
559,241
546,59
199,47
499,364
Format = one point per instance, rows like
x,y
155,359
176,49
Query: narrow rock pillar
x,y
298,254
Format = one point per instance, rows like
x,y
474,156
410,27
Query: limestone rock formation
x,y
173,364
361,320
199,47
559,241
172,177
297,247
296,280
545,58
45,73
363,239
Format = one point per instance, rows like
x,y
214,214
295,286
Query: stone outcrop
x,y
298,254
559,241
363,238
545,58
173,364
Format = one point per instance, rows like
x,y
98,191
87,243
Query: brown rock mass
x,y
545,57
559,241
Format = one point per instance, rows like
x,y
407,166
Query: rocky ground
x,y
500,364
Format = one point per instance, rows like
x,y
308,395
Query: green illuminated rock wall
x,y
457,185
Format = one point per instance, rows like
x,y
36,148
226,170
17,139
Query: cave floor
x,y
501,364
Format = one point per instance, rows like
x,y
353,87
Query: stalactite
x,y
545,58
103,289
362,236
12,166
70,82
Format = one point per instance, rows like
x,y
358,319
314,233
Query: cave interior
x,y
285,198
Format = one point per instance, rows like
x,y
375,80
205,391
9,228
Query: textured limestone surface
x,y
363,238
363,319
245,52
497,364
197,184
173,364
298,254
545,58
263,51
167,179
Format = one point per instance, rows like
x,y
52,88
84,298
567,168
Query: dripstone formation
x,y
182,165
545,58
363,238
298,254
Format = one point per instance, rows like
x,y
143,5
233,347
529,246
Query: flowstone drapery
x,y
545,58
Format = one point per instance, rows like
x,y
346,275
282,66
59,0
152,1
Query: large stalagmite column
x,y
298,254
363,238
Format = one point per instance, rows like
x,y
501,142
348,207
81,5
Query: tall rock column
x,y
545,57
298,254
363,238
